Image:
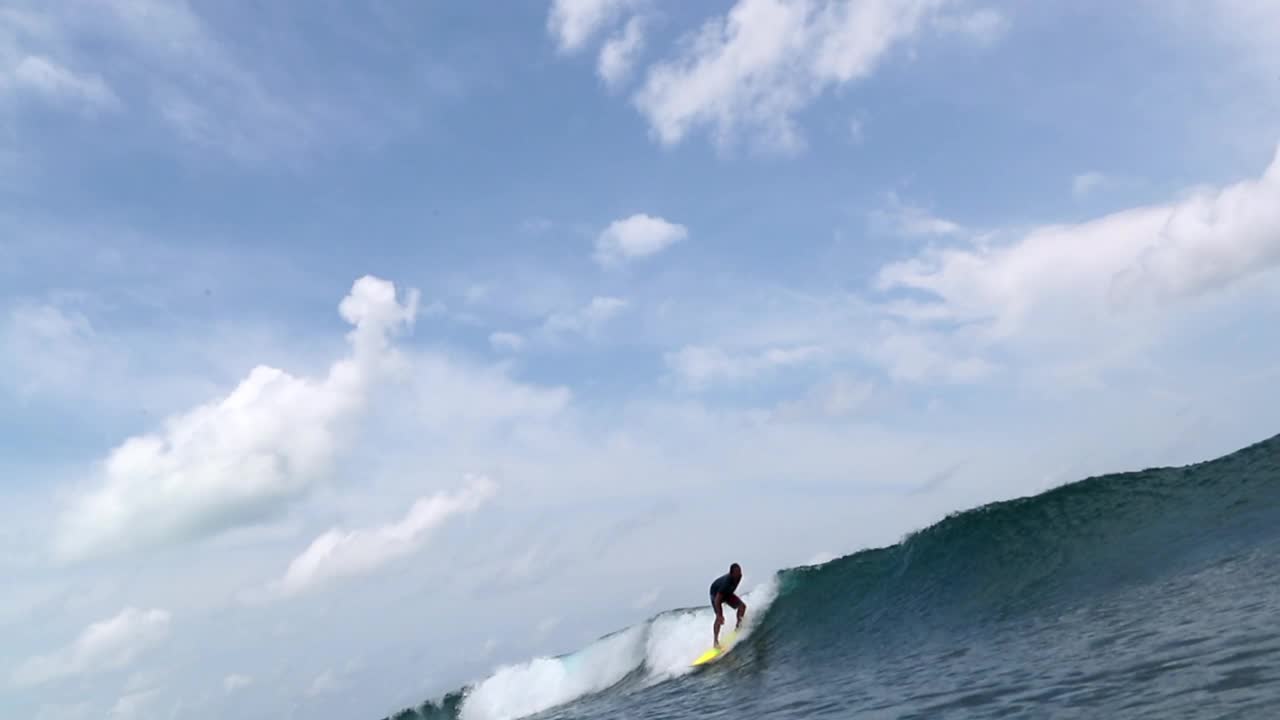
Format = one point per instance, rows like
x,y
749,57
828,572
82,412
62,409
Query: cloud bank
x,y
242,458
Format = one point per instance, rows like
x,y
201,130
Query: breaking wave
x,y
1025,558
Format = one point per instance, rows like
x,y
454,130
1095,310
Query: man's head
x,y
735,571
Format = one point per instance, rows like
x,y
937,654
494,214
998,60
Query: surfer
x,y
722,593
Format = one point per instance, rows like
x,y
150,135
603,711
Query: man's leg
x,y
715,633
741,608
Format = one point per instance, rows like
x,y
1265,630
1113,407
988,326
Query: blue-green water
x,y
1153,594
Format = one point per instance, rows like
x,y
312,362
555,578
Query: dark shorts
x,y
730,599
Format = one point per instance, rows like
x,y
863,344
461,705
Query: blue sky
x,y
350,351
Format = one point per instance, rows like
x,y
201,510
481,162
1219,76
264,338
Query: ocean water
x,y
1152,594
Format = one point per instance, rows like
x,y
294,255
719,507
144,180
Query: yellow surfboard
x,y
725,643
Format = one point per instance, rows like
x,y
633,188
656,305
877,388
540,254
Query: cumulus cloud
x,y
752,70
635,237
700,365
619,54
912,221
135,705
1085,183
76,711
325,682
837,397
574,22
908,354
106,645
506,341
748,73
857,130
236,681
191,75
338,554
450,395
47,78
239,459
1090,183
984,26
586,319
49,347
1250,28
1082,273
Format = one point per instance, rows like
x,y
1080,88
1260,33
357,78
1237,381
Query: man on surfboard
x,y
722,593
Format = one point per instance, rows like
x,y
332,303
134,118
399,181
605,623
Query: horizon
x,y
351,353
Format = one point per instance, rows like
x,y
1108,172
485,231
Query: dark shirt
x,y
725,584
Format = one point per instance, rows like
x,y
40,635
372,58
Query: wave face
x,y
1073,602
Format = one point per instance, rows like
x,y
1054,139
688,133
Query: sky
x,y
349,350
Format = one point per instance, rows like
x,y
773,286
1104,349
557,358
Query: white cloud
x,y
1075,277
142,680
536,225
619,54
700,366
193,83
984,26
857,130
237,460
106,645
339,554
325,682
587,319
211,94
923,357
918,222
1091,183
236,681
752,70
174,65
912,221
1085,183
46,77
78,711
574,22
134,706
506,341
834,398
1248,27
635,237
448,395
48,346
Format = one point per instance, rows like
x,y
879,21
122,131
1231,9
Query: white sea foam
x,y
526,688
663,647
